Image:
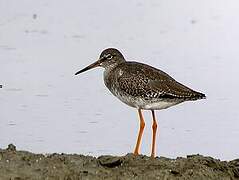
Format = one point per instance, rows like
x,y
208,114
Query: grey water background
x,y
45,108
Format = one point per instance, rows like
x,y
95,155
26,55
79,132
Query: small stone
x,y
18,178
193,155
11,147
175,172
110,161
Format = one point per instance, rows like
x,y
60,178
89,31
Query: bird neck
x,y
111,67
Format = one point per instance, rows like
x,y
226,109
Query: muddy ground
x,y
23,165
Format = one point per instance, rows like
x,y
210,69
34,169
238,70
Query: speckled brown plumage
x,y
141,80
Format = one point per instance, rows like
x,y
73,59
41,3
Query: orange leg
x,y
141,129
154,127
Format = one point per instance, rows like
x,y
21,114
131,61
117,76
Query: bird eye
x,y
109,56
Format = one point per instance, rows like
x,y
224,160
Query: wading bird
x,y
141,86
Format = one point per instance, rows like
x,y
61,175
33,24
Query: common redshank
x,y
141,86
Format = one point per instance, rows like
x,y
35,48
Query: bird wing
x,y
173,89
142,80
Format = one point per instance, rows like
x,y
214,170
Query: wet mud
x,y
23,165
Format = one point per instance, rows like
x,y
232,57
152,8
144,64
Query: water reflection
x,y
11,124
82,132
14,89
42,95
93,122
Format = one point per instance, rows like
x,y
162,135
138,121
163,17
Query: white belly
x,y
141,103
159,105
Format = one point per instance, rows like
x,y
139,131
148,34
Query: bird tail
x,y
197,95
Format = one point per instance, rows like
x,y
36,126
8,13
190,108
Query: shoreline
x,y
21,165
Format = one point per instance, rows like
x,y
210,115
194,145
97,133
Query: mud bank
x,y
23,165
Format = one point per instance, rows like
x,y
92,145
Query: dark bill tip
x,y
80,71
77,72
95,64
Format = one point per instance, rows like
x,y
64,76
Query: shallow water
x,y
45,108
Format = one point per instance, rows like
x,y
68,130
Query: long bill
x,y
95,64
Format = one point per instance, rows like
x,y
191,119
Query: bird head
x,y
109,57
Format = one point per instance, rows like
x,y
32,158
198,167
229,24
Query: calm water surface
x,y
45,108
